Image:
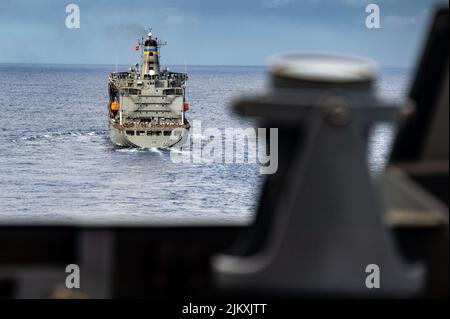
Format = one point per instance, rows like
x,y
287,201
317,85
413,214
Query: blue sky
x,y
212,32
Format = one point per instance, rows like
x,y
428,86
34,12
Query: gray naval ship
x,y
147,104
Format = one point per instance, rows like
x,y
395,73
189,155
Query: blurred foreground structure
x,y
322,217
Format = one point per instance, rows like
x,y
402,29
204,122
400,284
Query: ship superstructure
x,y
147,104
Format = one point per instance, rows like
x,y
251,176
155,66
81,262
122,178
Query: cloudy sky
x,y
205,32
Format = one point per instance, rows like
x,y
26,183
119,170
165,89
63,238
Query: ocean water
x,y
58,166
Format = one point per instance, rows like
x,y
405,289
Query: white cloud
x,y
174,16
281,3
400,21
276,3
179,19
358,2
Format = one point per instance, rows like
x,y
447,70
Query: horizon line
x,y
176,65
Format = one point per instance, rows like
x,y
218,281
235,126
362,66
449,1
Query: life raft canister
x,y
115,106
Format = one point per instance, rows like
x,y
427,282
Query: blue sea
x,y
58,166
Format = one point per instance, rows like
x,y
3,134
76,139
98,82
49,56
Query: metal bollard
x,y
319,223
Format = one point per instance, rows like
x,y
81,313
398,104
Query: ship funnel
x,y
150,57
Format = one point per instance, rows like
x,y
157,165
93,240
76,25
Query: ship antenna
x,y
160,44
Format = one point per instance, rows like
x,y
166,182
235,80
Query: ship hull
x,y
125,139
